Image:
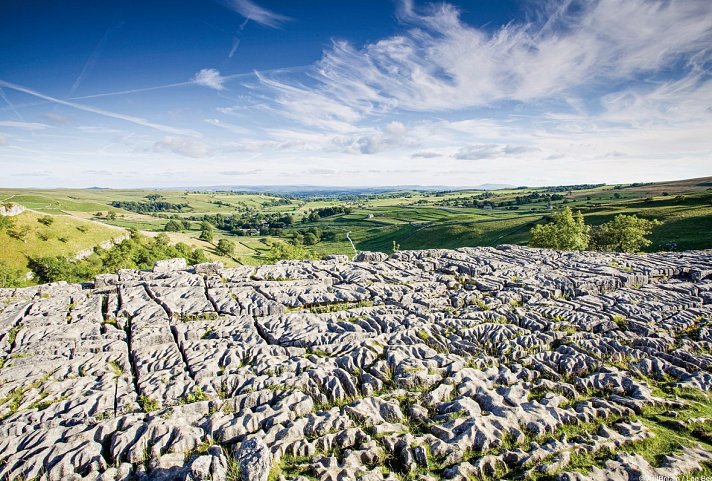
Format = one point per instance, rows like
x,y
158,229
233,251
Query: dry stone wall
x,y
476,363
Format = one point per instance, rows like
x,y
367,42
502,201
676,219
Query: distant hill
x,y
331,190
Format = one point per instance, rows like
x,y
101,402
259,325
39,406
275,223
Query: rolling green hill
x,y
65,235
412,219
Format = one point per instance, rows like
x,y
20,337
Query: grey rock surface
x,y
475,363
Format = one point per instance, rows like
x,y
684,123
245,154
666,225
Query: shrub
x,y
137,252
207,233
10,277
6,222
148,404
280,251
566,231
625,233
225,248
173,226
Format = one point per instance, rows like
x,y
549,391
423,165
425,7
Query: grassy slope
x,y
411,219
15,252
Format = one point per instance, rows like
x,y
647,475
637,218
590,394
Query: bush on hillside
x,y
10,277
280,251
137,252
6,222
225,248
625,233
567,231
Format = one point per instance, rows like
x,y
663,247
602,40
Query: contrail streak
x,y
105,113
189,82
91,61
10,104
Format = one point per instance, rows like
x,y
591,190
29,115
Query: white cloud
x,y
185,146
442,64
320,171
252,11
3,140
491,151
36,173
13,124
209,77
240,172
56,118
424,155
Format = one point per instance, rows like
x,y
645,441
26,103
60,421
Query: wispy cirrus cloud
x,y
35,173
442,64
13,124
491,151
240,172
185,146
91,61
56,118
251,11
424,155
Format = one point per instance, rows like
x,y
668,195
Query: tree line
x,y
568,231
136,252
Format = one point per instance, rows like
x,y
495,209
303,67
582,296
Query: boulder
x,y
170,265
367,256
255,460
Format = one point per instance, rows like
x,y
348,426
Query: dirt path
x,y
352,242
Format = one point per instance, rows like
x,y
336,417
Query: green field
x,y
65,236
412,219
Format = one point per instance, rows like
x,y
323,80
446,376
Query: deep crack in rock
x,y
476,363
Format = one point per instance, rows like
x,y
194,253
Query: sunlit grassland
x,y
64,236
413,220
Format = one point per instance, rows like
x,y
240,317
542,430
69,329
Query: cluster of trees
x,y
150,207
533,197
175,225
136,252
470,201
308,237
316,214
568,231
268,223
283,251
569,188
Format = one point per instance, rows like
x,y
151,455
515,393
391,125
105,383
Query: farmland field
x,y
401,219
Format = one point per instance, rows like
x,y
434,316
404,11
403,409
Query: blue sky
x,y
238,92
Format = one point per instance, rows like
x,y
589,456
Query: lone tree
x,y
625,233
154,197
566,231
225,248
207,232
173,226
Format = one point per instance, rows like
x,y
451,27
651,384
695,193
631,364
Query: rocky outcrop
x,y
11,210
475,363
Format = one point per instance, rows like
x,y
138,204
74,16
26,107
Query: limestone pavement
x,y
476,363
